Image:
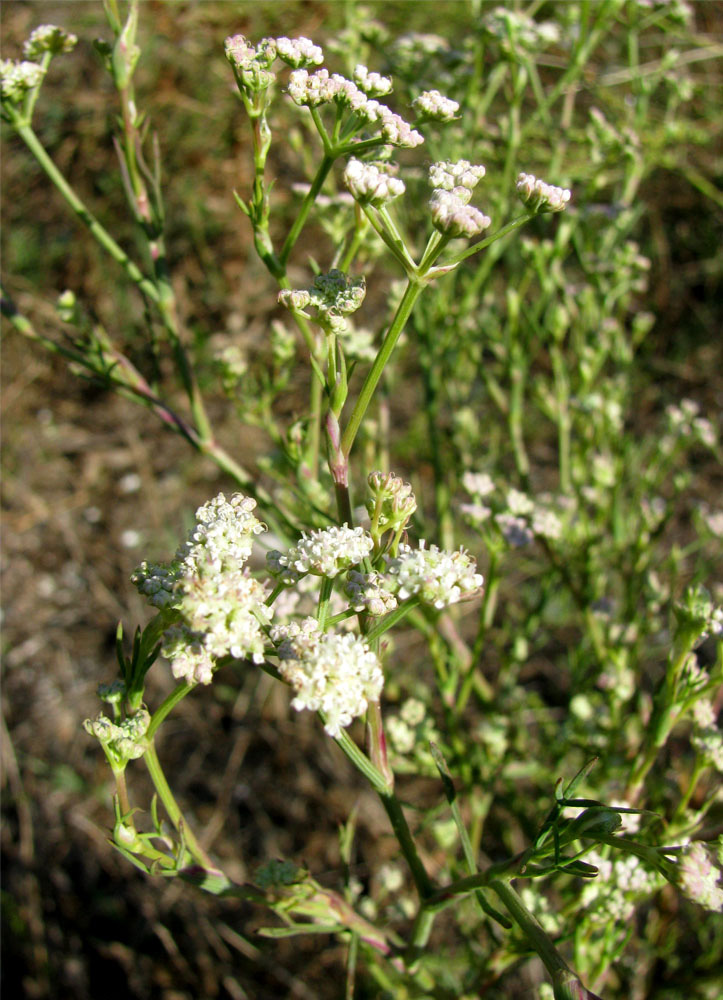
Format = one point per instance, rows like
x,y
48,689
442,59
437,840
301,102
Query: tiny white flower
x,y
539,196
448,175
330,551
312,89
453,217
397,132
299,52
17,78
433,105
335,674
478,484
371,184
519,503
48,38
698,877
367,592
373,84
438,577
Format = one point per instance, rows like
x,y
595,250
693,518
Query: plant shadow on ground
x,y
91,486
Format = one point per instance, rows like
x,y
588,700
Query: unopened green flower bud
x,y
113,693
126,836
67,307
125,52
295,299
102,728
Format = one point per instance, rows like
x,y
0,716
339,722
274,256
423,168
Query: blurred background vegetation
x,y
91,485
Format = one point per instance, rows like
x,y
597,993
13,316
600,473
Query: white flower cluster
x,y
250,59
478,484
514,28
520,521
372,184
297,52
332,296
314,89
221,607
48,38
449,175
452,216
612,894
519,502
17,78
685,420
335,674
435,107
368,592
251,63
241,52
707,738
539,196
698,877
222,537
416,45
453,183
438,577
373,84
546,523
326,552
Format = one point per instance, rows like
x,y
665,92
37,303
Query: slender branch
x,y
100,233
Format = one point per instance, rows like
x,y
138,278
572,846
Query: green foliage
x,y
509,376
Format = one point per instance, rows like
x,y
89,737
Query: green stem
x,y
698,769
158,293
562,392
167,706
171,806
497,235
377,743
393,809
574,69
518,374
84,214
123,799
322,613
392,619
411,294
403,834
538,939
316,186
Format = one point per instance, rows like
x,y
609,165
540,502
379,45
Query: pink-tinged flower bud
x,y
539,196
